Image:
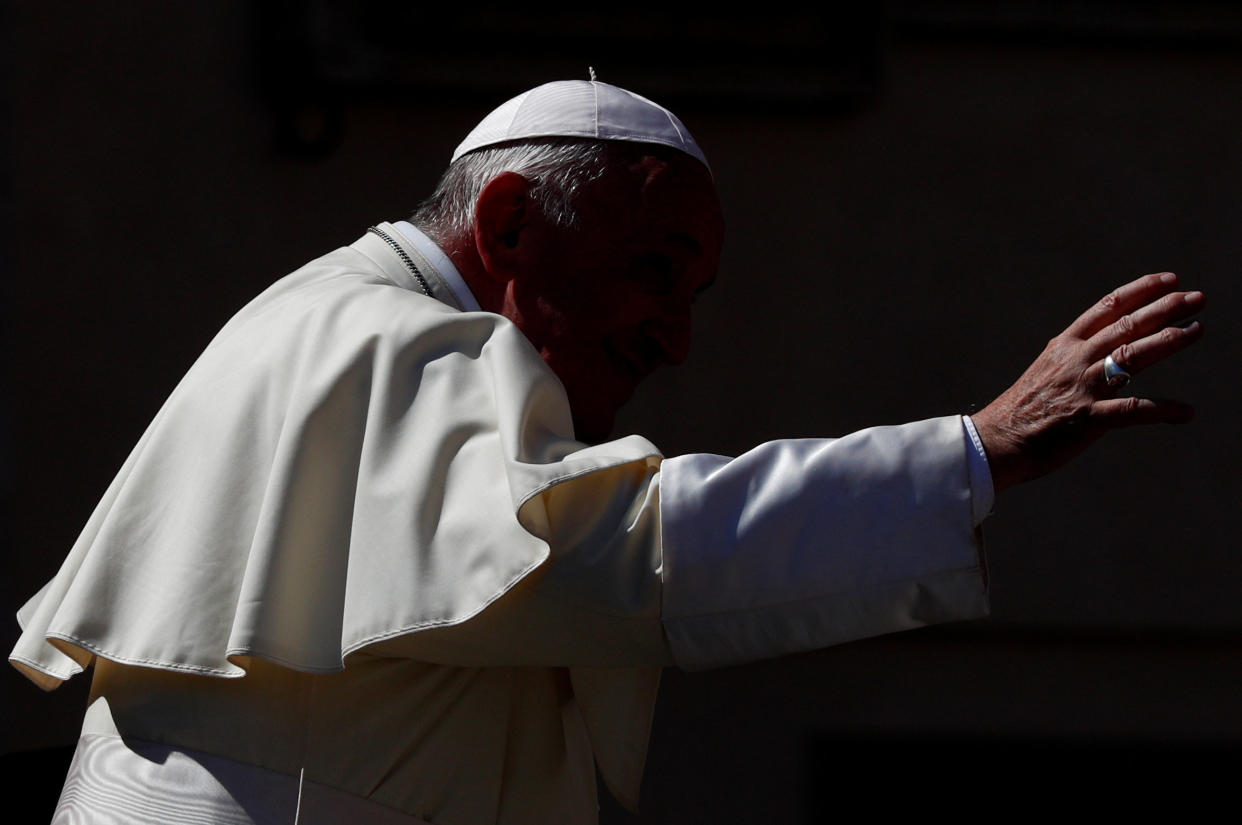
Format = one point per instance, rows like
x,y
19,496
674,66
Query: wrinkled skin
x,y
1062,404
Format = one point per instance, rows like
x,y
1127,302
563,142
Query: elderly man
x,y
374,560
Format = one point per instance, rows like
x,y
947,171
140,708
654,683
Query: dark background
x,y
918,197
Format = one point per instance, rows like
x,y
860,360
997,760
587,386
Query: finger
x,y
1144,321
1122,300
1141,354
1129,412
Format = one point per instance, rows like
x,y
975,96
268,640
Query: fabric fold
x,y
314,484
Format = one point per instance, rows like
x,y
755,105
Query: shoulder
x,y
339,320
346,297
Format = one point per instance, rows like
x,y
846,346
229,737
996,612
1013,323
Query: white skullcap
x,y
582,109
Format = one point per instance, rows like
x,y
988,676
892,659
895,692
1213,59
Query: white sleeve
x,y
793,546
802,544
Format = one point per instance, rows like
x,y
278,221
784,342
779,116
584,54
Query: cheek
x,y
537,314
578,364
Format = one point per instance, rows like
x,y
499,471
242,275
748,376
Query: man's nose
x,y
672,332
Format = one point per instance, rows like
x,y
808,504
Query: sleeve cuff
x,y
983,494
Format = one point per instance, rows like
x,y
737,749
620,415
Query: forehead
x,y
655,197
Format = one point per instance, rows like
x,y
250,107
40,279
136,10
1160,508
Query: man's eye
x,y
654,273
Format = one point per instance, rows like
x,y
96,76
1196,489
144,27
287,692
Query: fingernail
x,y
1168,278
1193,297
1193,326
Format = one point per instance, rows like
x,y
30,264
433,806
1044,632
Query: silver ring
x,y
1114,375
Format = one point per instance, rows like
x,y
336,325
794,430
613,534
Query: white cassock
x,y
359,569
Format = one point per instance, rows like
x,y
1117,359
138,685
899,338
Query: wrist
x,y
1001,447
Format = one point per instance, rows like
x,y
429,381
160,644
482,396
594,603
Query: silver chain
x,y
405,259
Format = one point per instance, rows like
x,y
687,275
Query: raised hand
x,y
1064,401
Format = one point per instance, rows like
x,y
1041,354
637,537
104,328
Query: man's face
x,y
607,302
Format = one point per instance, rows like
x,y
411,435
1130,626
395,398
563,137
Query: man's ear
x,y
502,216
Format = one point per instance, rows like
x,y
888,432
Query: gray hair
x,y
558,169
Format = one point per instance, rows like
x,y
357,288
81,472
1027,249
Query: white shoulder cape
x,y
315,484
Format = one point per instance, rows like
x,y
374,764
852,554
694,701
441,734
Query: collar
x,y
441,263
